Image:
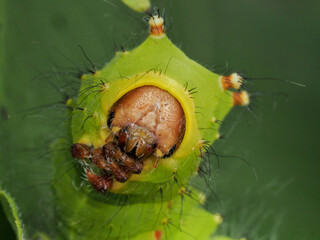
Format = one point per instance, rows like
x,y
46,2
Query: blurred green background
x,y
275,38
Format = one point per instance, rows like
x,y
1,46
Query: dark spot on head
x,y
110,118
171,151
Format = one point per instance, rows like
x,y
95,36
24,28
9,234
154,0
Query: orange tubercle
x,y
232,81
156,26
241,98
157,234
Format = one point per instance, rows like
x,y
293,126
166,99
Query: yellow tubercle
x,y
96,74
122,53
69,101
201,144
164,221
202,198
217,218
182,191
105,87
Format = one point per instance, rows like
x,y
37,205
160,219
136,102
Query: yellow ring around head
x,y
120,87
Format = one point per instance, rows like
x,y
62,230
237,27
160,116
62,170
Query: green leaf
x,y
12,212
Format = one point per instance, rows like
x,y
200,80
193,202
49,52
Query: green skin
x,y
158,198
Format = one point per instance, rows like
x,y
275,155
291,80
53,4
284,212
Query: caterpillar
x,y
27,178
140,127
159,188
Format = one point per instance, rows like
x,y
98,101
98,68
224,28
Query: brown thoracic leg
x,y
119,174
99,160
80,151
109,158
112,151
101,184
108,164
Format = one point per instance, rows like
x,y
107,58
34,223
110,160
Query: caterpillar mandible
x,y
139,127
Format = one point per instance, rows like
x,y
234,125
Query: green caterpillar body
x,y
157,203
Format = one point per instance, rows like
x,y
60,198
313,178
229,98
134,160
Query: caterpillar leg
x,y
101,184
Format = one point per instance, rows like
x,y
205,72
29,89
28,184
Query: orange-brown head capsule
x,y
241,98
150,117
232,81
156,26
